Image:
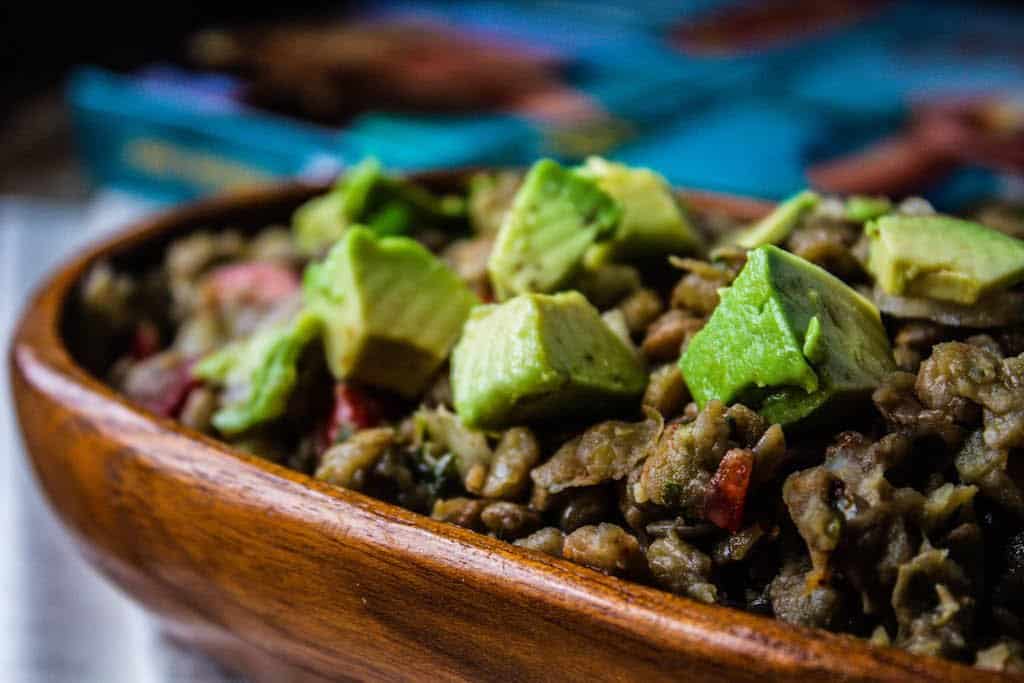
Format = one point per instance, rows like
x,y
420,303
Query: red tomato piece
x,y
353,409
724,507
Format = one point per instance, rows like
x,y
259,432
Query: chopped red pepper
x,y
255,282
353,409
145,340
724,506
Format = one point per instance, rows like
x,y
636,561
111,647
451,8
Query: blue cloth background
x,y
748,123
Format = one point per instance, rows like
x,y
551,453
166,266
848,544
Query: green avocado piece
x,y
490,197
940,257
368,196
862,208
787,339
776,226
258,373
391,310
653,222
321,221
538,357
557,214
318,222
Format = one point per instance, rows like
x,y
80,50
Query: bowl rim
x,y
39,348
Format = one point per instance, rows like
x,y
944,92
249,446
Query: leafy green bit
x,y
368,196
258,374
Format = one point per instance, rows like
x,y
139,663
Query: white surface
x,y
60,620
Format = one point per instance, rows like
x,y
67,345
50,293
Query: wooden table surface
x,y
60,621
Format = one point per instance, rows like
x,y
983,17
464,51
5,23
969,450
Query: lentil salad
x,y
887,505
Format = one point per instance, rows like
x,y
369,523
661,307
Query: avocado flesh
x,y
787,339
366,195
319,222
391,310
863,208
322,220
776,226
653,223
556,216
940,257
538,357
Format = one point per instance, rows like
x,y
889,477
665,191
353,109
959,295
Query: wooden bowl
x,y
283,577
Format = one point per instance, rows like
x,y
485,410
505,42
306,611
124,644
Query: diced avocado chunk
x,y
490,197
940,257
258,373
538,357
391,310
653,222
368,196
322,220
318,222
862,208
557,214
776,226
787,339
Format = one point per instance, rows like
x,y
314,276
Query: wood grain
x,y
285,578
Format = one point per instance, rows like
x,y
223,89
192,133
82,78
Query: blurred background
x,y
759,98
106,115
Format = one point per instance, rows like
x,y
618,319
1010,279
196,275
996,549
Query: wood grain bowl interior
x,y
284,578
